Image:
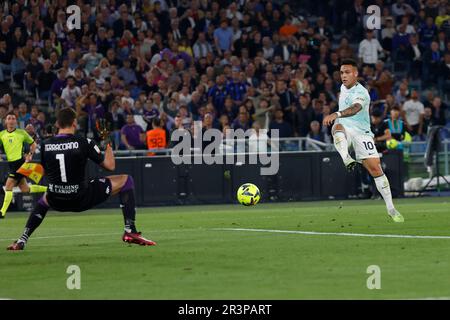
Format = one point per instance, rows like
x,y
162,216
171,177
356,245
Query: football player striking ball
x,y
352,128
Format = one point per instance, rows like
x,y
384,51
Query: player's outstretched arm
x,y
350,111
110,162
29,156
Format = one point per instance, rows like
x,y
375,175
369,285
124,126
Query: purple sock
x,y
42,202
129,184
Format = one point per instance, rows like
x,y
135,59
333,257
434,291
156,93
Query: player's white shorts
x,y
363,144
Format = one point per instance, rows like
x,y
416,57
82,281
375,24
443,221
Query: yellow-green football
x,y
392,144
248,194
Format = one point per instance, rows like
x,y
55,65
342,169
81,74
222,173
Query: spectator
x,y
345,51
236,89
223,38
400,9
70,93
32,71
258,140
396,125
18,66
387,34
438,112
44,80
156,138
400,42
284,128
444,72
401,94
37,120
428,32
288,29
23,116
262,113
202,47
127,73
409,29
427,121
380,129
315,133
415,55
369,49
305,115
384,84
123,23
414,114
132,135
218,93
443,17
6,56
242,121
91,59
283,50
432,62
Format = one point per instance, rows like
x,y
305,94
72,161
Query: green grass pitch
x,y
195,260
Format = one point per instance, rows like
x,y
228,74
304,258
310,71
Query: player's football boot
x,y
137,238
16,246
350,163
396,216
2,216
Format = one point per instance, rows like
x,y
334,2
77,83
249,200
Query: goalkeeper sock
x,y
127,203
34,221
35,188
341,144
6,202
384,188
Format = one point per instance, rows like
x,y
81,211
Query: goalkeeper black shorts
x,y
13,167
97,191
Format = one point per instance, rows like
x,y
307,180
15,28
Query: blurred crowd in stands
x,y
151,67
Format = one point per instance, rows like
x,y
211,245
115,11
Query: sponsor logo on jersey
x,y
63,189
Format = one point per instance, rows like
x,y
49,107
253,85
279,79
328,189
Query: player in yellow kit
x,y
12,140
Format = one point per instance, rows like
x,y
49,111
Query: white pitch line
x,y
335,233
431,298
71,236
102,234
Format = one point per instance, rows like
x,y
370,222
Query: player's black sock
x,y
128,205
37,215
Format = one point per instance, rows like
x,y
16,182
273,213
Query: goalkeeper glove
x,y
103,128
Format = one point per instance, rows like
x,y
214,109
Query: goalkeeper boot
x,y
395,215
137,238
16,246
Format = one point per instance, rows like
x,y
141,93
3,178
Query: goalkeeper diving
x,y
64,158
12,140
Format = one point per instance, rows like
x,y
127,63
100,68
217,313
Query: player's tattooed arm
x,y
351,111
